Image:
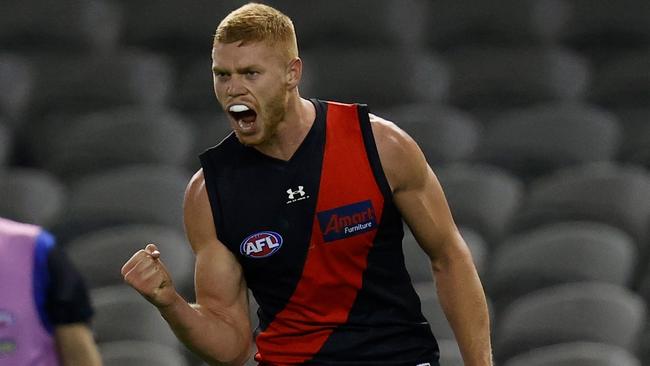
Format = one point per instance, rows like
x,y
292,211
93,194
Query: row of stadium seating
x,y
533,113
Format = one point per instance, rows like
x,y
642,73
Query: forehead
x,y
238,54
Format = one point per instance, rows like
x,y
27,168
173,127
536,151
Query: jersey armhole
x,y
371,150
210,187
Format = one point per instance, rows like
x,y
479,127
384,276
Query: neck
x,y
292,130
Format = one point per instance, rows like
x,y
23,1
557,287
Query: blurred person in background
x,y
303,204
44,306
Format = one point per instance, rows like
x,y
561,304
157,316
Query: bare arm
x,y
76,345
217,327
420,199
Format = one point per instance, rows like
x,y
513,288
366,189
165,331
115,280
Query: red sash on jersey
x,y
348,212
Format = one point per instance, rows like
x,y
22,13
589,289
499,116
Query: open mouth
x,y
243,115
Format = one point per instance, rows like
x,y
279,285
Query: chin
x,y
250,140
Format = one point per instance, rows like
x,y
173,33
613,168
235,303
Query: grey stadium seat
x,y
183,29
483,198
117,137
139,353
31,195
636,141
608,193
121,313
80,25
16,85
359,75
6,143
537,140
560,253
575,312
446,135
602,29
100,255
624,81
576,354
211,128
195,90
394,24
454,23
67,82
499,77
132,194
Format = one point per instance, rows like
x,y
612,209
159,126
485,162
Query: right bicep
x,y
219,282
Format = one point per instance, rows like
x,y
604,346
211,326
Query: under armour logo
x,y
292,194
296,195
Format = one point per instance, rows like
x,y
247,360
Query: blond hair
x,y
255,22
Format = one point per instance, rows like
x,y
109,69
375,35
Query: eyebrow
x,y
241,70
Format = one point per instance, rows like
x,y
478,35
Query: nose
x,y
235,87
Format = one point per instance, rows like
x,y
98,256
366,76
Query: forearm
x,y
462,299
215,337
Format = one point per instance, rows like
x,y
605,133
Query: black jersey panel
x,y
263,211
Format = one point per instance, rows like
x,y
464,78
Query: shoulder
x,y
401,158
197,212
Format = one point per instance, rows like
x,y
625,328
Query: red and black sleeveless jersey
x,y
319,240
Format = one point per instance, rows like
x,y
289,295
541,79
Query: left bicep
x,y
417,193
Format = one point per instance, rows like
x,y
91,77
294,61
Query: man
x,y
303,205
44,309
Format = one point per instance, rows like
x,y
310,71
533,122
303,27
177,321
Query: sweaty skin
x,y
217,327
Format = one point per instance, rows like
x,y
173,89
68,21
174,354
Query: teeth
x,y
238,108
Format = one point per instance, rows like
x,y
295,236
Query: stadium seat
x,y
609,193
211,128
100,255
482,198
126,195
360,74
31,195
63,25
16,84
636,141
140,353
6,144
116,137
576,354
644,346
121,314
195,90
602,28
395,24
446,135
489,78
68,82
575,312
457,23
560,253
624,81
180,29
535,141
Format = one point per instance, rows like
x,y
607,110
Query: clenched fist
x,y
146,273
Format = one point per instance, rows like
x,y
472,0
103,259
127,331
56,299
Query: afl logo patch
x,y
261,245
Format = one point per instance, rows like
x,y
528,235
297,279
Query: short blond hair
x,y
255,22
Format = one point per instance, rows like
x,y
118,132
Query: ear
x,y
294,73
